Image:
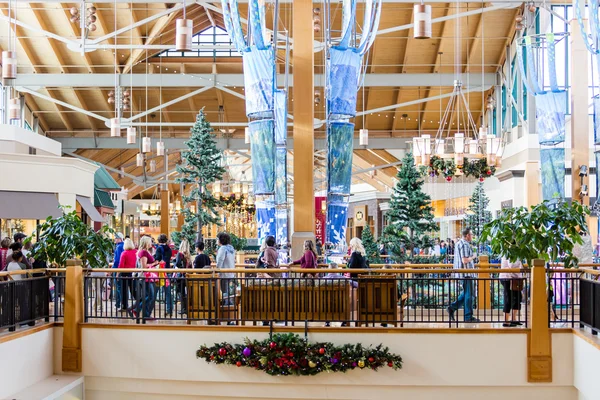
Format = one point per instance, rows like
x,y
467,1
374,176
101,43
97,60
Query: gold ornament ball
x,y
312,364
361,364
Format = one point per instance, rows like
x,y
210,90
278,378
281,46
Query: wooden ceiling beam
x,y
138,31
30,101
94,123
61,110
476,41
374,160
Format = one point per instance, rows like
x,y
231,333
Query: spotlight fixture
x,y
584,190
583,170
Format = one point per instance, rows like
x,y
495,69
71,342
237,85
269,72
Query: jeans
x,y
465,298
117,292
168,298
149,299
124,288
228,291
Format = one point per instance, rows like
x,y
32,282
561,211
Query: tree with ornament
x,y
200,167
477,213
410,218
371,247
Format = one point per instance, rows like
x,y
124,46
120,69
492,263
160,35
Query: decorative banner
x,y
550,117
320,217
231,17
344,75
280,117
265,219
553,173
263,156
257,21
339,157
281,222
348,20
370,25
337,220
281,176
259,82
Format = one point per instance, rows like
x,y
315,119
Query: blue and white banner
x,y
263,156
552,162
265,220
550,117
281,222
596,103
339,157
280,117
344,76
337,220
281,176
259,82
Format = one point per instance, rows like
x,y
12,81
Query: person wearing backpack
x,y
164,254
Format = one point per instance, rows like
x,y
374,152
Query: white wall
x,y
25,361
586,367
21,139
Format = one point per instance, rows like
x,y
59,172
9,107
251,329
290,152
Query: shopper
x,y
202,260
270,254
183,261
463,259
358,258
319,246
3,252
226,260
128,259
512,282
18,246
116,260
163,254
16,265
309,258
148,283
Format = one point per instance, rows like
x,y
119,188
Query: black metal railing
x,y
387,299
589,292
57,296
563,290
23,302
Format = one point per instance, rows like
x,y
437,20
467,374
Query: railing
x,y
373,297
563,289
590,301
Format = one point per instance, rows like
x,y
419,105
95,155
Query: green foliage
x,y
410,218
67,237
289,354
238,243
371,247
478,169
200,168
547,231
478,215
440,166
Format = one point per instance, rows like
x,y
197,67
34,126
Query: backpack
x,y
259,262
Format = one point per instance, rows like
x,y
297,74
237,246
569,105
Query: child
x,y
15,265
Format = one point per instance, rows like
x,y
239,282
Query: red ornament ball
x,y
489,172
212,357
481,179
448,178
272,345
222,351
371,359
322,350
390,364
239,363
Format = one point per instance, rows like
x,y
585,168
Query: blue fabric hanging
x,y
231,18
339,157
265,219
280,117
256,18
281,222
281,176
263,156
337,220
550,117
552,162
348,21
259,82
344,75
596,103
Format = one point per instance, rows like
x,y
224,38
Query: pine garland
x,y
289,354
447,168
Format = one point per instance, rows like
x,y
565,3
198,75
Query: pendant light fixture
x,y
363,137
9,57
247,135
160,148
146,144
14,109
131,135
139,160
183,32
115,127
422,24
152,165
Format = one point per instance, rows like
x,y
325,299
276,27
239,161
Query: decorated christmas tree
x,y
200,167
410,218
371,247
477,214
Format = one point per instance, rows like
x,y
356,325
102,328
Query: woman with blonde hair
x,y
145,260
358,258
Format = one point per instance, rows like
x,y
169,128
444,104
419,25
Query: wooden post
x,y
164,212
73,308
304,64
539,349
532,182
484,292
180,220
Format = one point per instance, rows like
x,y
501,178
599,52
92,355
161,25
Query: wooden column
x,y
73,309
484,291
580,136
539,349
180,217
532,183
303,101
164,212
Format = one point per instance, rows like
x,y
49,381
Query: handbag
x,y
516,284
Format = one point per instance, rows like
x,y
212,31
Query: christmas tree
x,y
477,214
410,218
200,167
371,247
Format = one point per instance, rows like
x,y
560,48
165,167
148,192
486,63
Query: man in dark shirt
x,y
201,260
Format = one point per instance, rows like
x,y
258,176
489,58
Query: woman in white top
x,y
512,282
15,265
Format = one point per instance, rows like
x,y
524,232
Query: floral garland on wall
x,y
289,354
447,168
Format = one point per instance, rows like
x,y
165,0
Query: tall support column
x,y
580,135
73,311
539,347
532,184
164,212
303,61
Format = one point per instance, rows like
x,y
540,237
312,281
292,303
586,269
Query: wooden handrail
x,y
24,272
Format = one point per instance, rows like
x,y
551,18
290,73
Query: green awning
x,y
103,180
102,199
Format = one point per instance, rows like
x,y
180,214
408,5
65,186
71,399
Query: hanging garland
x,y
447,168
289,354
439,166
479,169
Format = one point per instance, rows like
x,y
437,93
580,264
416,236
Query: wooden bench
x,y
377,300
205,301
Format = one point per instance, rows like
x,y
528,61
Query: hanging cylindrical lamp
x,y
237,189
489,149
160,148
499,153
416,151
217,187
139,160
145,207
115,127
152,165
244,188
14,109
363,137
177,205
146,144
247,135
439,148
422,26
459,148
131,135
471,146
183,34
9,65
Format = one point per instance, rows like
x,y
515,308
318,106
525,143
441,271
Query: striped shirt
x,y
462,250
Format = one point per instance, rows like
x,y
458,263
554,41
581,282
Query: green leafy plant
x,y
478,215
549,232
68,237
237,242
289,354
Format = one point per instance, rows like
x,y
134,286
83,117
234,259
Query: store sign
x,y
360,215
320,211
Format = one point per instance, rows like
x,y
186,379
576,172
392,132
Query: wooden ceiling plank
x,y
139,37
93,121
474,44
35,111
35,8
61,110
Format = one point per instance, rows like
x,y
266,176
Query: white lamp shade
x,y
439,147
131,135
145,207
247,135
363,137
245,188
459,142
152,166
9,65
416,148
482,132
237,188
146,144
473,146
139,160
426,140
183,34
489,144
115,127
177,205
422,25
14,109
160,148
